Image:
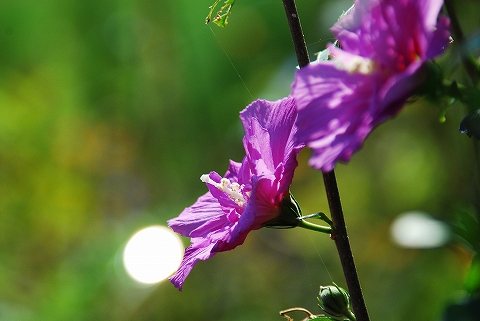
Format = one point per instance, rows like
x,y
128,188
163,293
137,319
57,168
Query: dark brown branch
x,y
330,182
343,247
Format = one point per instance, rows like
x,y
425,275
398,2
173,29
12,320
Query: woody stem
x,y
340,231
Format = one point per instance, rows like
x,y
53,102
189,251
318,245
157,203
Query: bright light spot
x,y
152,254
419,230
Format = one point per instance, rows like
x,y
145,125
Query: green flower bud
x,y
335,302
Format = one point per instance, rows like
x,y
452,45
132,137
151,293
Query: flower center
x,y
233,190
357,65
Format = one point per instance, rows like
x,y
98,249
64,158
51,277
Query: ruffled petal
x,y
334,112
200,249
278,120
206,213
394,33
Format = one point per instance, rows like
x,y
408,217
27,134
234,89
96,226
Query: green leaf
x,y
221,18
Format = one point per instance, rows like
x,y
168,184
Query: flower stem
x,y
340,231
343,247
351,316
314,227
296,32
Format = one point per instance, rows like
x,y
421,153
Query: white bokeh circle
x,y
152,254
419,230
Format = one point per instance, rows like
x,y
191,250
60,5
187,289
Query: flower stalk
x,y
340,232
314,227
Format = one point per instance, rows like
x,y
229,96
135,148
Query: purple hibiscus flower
x,y
381,62
250,193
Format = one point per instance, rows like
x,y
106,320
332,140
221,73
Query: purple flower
x,y
250,193
384,47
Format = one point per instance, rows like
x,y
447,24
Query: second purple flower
x,y
384,47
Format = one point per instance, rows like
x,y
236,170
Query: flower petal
x,y
334,112
277,119
194,219
198,250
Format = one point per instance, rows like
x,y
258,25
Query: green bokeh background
x,y
111,110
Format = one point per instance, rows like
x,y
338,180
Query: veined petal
x,y
198,250
269,139
275,118
398,88
334,112
393,32
205,211
258,148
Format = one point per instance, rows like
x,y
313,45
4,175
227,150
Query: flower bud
x,y
335,302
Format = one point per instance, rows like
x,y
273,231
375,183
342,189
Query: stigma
x,y
233,190
358,65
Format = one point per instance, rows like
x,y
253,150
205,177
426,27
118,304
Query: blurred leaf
x,y
466,310
470,125
472,284
467,227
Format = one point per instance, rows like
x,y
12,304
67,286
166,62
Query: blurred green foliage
x,y
111,110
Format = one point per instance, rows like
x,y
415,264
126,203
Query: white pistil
x,y
206,178
357,65
233,190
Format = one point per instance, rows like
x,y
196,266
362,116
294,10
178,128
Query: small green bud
x,y
335,302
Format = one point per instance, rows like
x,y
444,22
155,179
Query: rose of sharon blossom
x,y
384,47
249,194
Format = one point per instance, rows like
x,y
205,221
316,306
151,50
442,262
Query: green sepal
x,y
290,213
